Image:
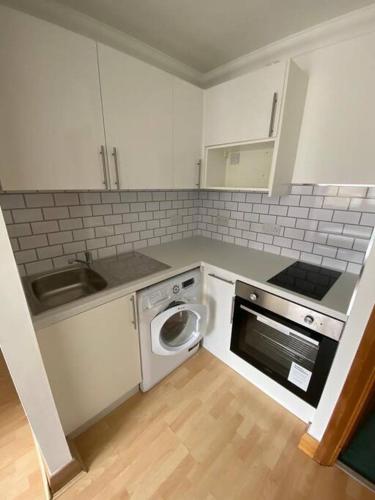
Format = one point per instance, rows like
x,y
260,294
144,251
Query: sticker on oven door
x,y
299,376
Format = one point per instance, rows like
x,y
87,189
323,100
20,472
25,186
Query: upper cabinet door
x,y
187,133
51,126
244,108
137,107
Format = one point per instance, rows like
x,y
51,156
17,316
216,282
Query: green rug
x,y
360,453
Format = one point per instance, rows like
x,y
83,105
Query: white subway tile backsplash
x,y
336,202
324,250
311,258
49,252
353,191
367,219
326,190
340,265
61,237
66,199
50,226
27,242
311,201
363,204
40,266
15,230
302,189
346,217
357,231
320,214
302,246
350,255
56,213
11,201
296,234
39,200
313,223
301,212
27,215
25,256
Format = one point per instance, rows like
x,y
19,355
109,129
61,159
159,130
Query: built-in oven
x,y
290,343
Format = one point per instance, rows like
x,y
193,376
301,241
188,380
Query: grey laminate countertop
x,y
252,266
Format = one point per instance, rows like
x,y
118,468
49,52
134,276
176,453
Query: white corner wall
x,y
337,133
21,352
360,312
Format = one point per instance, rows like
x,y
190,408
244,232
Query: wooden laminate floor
x,y
204,433
20,476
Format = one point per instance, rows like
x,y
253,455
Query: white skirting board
x,y
285,398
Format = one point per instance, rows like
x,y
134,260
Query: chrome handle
x,y
273,114
115,159
199,165
104,163
134,320
221,279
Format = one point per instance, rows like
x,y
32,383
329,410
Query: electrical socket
x,y
272,229
221,220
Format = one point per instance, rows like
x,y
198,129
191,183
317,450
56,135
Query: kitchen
x,y
160,223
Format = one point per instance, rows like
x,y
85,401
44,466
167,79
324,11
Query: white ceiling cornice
x,y
351,25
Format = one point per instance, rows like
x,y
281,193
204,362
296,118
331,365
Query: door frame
x,y
358,390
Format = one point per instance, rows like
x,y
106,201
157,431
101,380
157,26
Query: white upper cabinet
x,y
244,108
51,127
187,133
138,118
251,130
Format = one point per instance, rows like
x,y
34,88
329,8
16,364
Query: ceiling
x,y
205,34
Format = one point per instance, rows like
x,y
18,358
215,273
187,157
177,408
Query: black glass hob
x,y
306,279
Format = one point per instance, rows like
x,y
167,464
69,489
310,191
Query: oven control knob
x,y
253,296
309,320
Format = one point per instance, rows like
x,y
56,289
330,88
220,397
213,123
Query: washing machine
x,y
172,322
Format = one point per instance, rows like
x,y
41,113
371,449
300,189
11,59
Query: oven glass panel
x,y
277,349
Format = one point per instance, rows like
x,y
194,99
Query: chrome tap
x,y
87,262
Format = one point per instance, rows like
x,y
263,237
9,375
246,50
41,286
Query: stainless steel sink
x,y
61,287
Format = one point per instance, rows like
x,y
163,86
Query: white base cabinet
x,y
92,360
219,294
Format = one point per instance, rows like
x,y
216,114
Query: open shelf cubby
x,y
239,166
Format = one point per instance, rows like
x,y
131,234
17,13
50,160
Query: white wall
x,y
360,312
337,134
21,352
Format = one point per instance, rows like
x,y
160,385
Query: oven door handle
x,y
279,326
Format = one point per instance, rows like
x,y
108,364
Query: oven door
x,y
294,356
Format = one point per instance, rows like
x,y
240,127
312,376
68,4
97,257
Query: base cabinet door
x,y
137,106
92,360
219,293
51,125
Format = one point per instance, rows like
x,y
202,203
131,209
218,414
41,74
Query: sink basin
x,y
61,287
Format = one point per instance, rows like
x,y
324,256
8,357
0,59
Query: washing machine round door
x,y
177,328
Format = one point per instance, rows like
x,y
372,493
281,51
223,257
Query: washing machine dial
x,y
176,289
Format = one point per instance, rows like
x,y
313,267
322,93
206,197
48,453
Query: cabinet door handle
x,y
134,320
273,115
115,159
104,164
221,279
199,165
